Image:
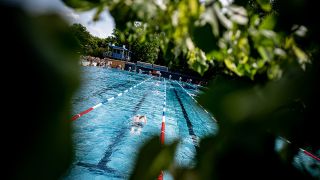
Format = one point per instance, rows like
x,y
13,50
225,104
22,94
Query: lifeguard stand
x,y
118,52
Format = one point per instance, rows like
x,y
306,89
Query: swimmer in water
x,y
138,122
157,83
156,92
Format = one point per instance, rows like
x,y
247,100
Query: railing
x,y
116,56
160,68
152,66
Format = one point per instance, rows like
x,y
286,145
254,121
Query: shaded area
x,y
42,73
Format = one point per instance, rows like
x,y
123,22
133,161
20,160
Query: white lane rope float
x,y
75,117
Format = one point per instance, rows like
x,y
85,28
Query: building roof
x,y
118,47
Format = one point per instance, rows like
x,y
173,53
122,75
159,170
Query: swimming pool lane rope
x,y
196,102
99,92
310,154
303,150
163,123
112,147
75,117
103,90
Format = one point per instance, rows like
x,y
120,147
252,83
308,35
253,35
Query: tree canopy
x,y
89,44
244,37
146,51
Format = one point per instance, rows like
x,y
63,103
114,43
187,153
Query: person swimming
x,y
138,122
156,92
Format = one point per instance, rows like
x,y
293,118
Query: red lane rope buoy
x,y
160,177
163,123
162,132
75,117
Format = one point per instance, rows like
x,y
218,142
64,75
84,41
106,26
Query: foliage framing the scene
x,y
245,41
253,41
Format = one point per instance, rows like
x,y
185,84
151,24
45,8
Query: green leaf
x,y
215,55
301,55
82,5
268,22
274,72
265,5
238,14
254,20
265,53
197,61
222,18
193,7
233,67
152,159
96,16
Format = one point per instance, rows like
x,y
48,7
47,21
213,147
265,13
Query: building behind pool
x,y
118,52
120,57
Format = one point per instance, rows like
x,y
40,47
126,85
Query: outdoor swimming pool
x,y
104,146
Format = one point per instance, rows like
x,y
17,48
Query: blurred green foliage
x,y
90,45
42,74
152,158
141,49
244,36
146,51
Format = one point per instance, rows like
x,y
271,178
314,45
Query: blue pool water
x,y
104,146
